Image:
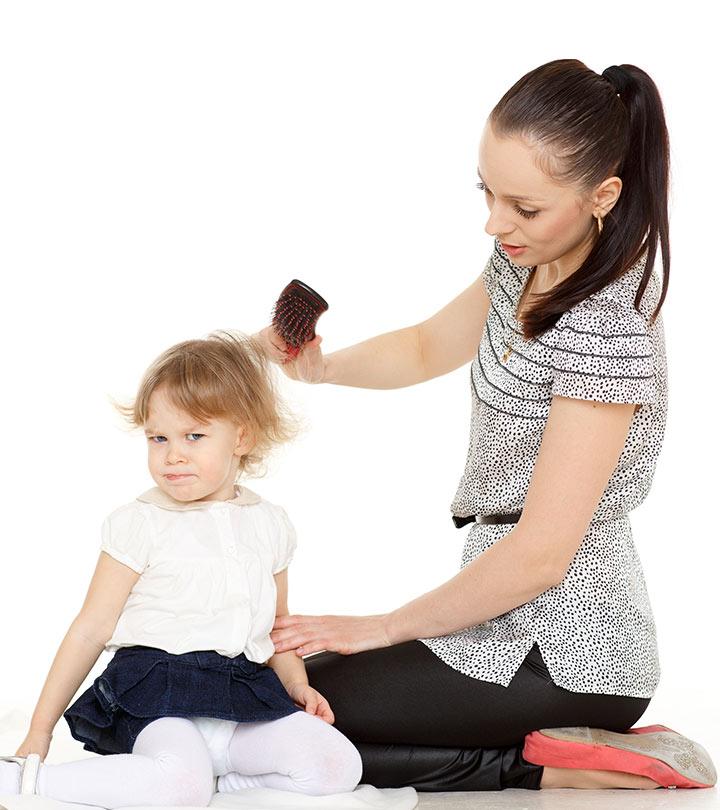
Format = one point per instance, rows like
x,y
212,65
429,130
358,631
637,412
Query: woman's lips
x,y
513,250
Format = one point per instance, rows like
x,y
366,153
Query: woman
x,y
548,624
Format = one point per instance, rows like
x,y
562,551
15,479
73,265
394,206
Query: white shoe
x,y
29,767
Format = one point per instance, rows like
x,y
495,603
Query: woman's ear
x,y
607,194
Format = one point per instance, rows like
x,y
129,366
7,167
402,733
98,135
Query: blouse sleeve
x,y
602,351
285,540
126,537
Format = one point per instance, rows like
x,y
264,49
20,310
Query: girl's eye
x,y
521,211
153,438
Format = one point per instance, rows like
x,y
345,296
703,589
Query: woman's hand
x,y
36,742
308,366
311,700
343,634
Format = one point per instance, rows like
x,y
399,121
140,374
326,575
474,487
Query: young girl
x,y
190,577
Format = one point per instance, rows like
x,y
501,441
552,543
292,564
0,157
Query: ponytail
x,y
585,132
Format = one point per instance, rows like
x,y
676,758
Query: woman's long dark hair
x,y
585,132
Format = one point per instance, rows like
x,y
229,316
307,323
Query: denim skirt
x,y
142,684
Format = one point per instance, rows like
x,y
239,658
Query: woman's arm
x,y
397,359
581,445
82,645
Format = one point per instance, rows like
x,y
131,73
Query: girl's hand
x,y
312,701
36,742
308,366
343,634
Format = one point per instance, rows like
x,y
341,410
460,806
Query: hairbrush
x,y
296,313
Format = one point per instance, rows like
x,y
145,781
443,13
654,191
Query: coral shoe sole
x,y
663,755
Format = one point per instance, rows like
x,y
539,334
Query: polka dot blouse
x,y
595,630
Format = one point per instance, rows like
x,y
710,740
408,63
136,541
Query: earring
x,y
600,224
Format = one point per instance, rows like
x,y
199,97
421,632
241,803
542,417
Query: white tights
x,y
170,764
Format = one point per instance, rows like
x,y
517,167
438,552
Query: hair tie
x,y
618,77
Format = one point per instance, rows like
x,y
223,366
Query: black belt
x,y
512,517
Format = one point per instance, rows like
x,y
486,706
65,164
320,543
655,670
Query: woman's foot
x,y
656,753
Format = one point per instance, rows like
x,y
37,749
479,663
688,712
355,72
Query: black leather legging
x,y
417,722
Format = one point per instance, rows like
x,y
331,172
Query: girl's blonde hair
x,y
225,375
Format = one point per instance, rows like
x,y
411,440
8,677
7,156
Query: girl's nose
x,y
174,454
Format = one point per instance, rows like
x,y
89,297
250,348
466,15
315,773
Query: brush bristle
x,y
296,314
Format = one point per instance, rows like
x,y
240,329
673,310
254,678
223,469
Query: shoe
x,y
658,752
29,766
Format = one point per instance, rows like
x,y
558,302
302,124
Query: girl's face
x,y
556,225
191,460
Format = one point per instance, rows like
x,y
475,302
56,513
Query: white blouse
x,y
206,572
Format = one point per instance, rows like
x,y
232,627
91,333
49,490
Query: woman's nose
x,y
495,224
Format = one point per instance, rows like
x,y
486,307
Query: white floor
x,y
573,800
64,749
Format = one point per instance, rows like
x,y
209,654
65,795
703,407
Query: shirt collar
x,y
243,497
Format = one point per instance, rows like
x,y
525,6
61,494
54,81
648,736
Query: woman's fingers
x,y
306,365
310,365
275,347
290,640
288,620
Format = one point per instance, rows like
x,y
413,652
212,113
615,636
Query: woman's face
x,y
555,225
191,460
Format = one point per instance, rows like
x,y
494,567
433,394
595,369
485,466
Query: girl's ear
x,y
244,442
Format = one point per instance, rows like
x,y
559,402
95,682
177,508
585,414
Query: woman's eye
x,y
521,211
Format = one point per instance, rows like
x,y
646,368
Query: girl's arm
x,y
290,669
288,666
84,641
408,356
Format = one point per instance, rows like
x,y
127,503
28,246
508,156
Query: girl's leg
x,y
418,722
300,752
169,765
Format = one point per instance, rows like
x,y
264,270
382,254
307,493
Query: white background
x,y
166,168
